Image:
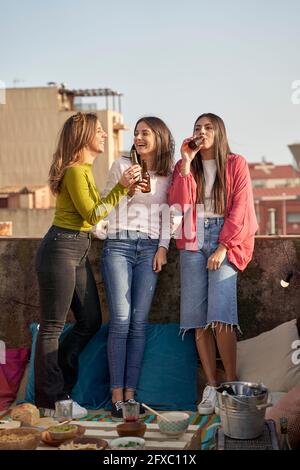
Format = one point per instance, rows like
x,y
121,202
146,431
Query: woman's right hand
x,y
130,176
187,154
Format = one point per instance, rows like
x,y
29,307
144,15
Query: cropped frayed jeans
x,y
65,280
130,282
207,297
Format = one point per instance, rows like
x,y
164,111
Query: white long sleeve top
x,y
144,212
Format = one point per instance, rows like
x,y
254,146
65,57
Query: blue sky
x,y
174,59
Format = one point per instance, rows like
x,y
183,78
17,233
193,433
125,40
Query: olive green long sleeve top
x,y
79,205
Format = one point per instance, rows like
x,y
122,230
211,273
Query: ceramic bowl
x,y
127,443
136,429
178,423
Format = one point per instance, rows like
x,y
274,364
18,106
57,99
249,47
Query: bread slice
x,y
27,413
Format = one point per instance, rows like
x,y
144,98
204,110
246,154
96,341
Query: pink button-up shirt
x,y
240,224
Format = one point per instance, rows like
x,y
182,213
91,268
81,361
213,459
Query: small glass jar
x,y
64,410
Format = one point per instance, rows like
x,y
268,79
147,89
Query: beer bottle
x,y
134,161
146,176
193,144
284,438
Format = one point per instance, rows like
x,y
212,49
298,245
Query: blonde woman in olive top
x,y
64,274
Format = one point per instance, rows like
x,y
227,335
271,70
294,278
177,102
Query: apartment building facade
x,y
29,125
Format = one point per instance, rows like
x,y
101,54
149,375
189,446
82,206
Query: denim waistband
x,y
77,233
213,221
129,234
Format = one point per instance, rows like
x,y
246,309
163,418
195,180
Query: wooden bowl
x,y
19,439
47,439
135,429
63,432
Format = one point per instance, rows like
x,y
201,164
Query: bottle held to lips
x,y
193,144
134,161
146,177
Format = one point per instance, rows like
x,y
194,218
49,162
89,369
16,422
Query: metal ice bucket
x,y
242,408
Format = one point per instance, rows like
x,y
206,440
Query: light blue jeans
x,y
130,282
207,296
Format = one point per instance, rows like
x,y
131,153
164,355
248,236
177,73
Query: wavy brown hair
x,y
165,148
77,132
221,150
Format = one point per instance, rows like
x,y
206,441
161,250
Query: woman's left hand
x,y
216,259
160,259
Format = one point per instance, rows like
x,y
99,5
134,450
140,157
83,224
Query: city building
x,y
26,197
276,190
29,125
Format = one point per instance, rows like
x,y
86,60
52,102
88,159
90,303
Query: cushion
x,y
268,358
168,376
92,388
168,379
289,407
11,374
6,395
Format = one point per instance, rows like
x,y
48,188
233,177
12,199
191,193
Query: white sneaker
x,y
78,411
208,403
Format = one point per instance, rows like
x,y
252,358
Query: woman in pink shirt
x,y
211,188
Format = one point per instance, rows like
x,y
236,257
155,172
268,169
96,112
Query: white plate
x,y
9,424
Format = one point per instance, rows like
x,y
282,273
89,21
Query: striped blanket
x,y
203,422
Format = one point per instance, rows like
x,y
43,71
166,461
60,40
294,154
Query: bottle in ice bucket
x,y
284,438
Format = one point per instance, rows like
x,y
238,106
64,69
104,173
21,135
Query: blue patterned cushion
x,y
168,375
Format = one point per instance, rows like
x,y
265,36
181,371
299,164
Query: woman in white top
x,y
133,254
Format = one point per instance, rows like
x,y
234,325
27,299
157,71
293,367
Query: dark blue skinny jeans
x,y
65,281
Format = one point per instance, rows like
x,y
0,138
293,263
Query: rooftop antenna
x,y
17,80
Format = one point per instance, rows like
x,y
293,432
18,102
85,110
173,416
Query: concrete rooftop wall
x,y
263,303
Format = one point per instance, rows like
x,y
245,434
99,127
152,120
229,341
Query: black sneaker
x,y
142,409
116,412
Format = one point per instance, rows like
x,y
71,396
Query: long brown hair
x,y
164,159
77,132
221,150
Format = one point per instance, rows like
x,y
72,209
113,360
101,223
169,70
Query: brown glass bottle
x,y
146,177
284,438
193,144
134,161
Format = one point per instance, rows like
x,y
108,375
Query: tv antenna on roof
x,y
17,80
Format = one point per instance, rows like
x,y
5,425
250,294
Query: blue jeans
x,y
207,296
130,282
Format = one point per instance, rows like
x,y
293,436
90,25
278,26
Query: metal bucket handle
x,y
258,407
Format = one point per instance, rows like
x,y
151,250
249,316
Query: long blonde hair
x,y
221,149
77,132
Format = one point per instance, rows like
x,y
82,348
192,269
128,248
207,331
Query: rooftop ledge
x,y
262,302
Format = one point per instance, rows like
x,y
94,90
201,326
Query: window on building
x,y
258,183
3,202
293,217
